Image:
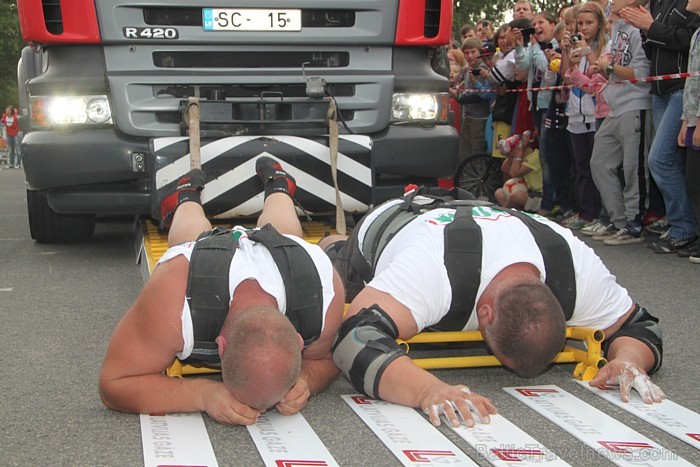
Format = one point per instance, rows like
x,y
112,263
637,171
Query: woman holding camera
x,y
534,48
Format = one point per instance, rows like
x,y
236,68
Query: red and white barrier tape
x,y
600,85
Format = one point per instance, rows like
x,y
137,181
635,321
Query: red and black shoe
x,y
188,188
275,179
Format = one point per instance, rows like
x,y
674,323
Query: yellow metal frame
x,y
588,361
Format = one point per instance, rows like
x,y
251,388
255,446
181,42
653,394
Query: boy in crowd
x,y
475,105
622,141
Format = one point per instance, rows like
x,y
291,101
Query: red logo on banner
x,y
511,455
695,436
360,400
619,446
533,392
298,463
415,455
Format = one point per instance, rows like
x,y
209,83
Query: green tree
x,y
10,49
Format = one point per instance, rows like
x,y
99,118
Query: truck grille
x,y
226,59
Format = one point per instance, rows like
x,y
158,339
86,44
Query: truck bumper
x,y
88,172
96,172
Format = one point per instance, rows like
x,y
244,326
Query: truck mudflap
x,y
234,190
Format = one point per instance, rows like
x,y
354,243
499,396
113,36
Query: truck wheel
x,y
479,174
46,226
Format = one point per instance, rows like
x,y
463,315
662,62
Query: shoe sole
x,y
612,242
694,259
602,237
663,251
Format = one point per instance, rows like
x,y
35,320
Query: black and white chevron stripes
x,y
234,190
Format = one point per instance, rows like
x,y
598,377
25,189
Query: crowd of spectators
x,y
613,154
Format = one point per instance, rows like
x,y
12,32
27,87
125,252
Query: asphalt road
x,y
59,304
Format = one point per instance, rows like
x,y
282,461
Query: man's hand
x,y
296,398
639,17
223,407
628,375
455,402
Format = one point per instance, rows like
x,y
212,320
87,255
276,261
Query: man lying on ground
x,y
263,302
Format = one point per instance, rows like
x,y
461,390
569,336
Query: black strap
x,y
463,253
302,283
390,222
558,262
208,290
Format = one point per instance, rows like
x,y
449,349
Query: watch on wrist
x,y
610,69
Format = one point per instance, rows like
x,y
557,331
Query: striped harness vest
x,y
463,251
208,286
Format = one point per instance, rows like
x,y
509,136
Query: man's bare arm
x,y
145,342
403,382
634,351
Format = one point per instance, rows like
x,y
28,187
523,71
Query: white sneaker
x,y
593,228
607,232
625,236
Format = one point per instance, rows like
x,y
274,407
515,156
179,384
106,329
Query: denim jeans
x,y
13,149
667,164
547,185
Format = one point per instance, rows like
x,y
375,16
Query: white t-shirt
x,y
253,261
411,268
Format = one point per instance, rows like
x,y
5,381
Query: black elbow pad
x,y
365,346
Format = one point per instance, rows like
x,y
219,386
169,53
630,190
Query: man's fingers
x,y
434,414
658,394
600,378
625,386
464,407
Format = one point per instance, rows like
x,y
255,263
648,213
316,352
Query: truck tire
x,y
45,226
480,174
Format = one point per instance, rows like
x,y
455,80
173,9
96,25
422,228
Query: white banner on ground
x,y
503,444
289,441
608,437
407,434
673,418
176,440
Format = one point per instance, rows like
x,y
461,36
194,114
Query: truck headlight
x,y
62,111
419,107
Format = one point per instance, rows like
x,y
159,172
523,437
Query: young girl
x,y
532,57
583,52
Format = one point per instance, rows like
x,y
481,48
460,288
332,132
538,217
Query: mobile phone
x,y
485,24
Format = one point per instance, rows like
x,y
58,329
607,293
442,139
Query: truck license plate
x,y
249,19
